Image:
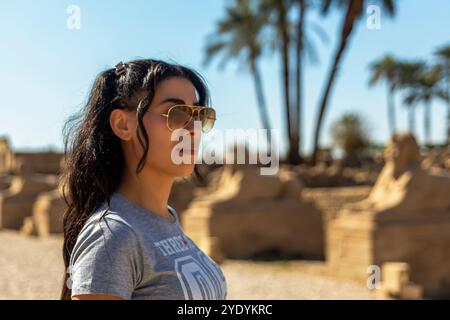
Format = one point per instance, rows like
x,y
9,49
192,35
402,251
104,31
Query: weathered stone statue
x,y
406,218
247,214
6,156
17,201
403,185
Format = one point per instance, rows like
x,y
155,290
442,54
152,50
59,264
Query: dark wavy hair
x,y
93,156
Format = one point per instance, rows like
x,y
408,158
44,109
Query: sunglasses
x,y
180,115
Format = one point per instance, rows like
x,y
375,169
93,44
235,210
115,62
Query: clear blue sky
x,y
47,69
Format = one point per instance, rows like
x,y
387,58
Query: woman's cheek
x,y
164,153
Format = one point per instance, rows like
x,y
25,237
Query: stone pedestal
x,y
356,242
48,213
250,214
17,201
406,218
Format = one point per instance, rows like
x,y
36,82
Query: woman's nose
x,y
195,120
196,114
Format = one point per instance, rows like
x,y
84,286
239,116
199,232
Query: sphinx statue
x,y
16,202
403,186
405,218
247,214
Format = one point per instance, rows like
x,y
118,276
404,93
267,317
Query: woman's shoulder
x,y
107,256
105,216
106,227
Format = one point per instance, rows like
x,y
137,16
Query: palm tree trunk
x,y
427,123
448,122
293,156
448,104
391,111
354,10
299,69
262,106
412,120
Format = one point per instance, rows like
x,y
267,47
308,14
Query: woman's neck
x,y
150,189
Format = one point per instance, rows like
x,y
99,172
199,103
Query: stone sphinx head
x,y
402,151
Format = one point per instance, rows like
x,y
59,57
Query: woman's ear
x,y
121,124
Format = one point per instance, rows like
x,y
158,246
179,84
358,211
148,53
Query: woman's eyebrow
x,y
177,101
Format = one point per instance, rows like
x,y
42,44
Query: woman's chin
x,y
184,170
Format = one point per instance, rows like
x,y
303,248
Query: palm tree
x,y
291,38
387,69
409,72
299,49
304,48
424,89
350,134
353,13
444,56
278,13
238,36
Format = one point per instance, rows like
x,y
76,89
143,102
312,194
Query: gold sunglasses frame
x,y
194,109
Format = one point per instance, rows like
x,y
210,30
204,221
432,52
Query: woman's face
x,y
163,153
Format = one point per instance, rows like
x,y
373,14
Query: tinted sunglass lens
x,y
179,117
208,117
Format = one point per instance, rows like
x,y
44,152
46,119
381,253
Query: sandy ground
x,y
32,268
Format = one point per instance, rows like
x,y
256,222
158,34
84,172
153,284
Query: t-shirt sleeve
x,y
106,259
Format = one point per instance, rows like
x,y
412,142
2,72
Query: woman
x,y
121,238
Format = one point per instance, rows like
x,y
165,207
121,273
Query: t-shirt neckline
x,y
139,208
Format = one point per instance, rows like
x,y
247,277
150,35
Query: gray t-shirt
x,y
133,253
